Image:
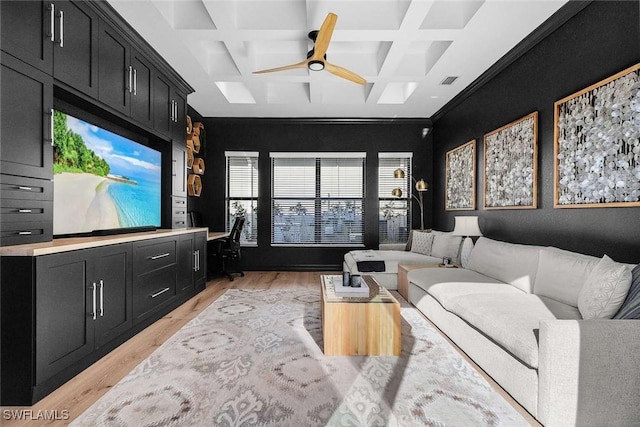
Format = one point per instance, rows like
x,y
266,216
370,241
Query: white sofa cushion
x,y
445,244
508,262
511,320
422,243
605,289
561,274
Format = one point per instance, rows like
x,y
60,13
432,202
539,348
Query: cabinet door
x,y
179,170
64,312
186,263
200,272
141,105
179,126
26,29
115,74
25,113
112,276
75,51
162,105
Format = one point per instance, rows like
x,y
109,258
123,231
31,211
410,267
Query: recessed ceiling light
x,y
448,80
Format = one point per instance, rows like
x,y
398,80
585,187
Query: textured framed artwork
x,y
511,165
597,144
460,178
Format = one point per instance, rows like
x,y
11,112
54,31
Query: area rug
x,y
254,358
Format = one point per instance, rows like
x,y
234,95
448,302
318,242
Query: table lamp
x,y
466,226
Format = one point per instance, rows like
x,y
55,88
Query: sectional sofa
x,y
424,247
520,312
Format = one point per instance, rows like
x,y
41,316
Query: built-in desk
x,y
68,302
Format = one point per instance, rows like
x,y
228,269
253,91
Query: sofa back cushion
x,y
509,262
561,274
445,244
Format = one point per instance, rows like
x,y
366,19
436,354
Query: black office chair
x,y
228,249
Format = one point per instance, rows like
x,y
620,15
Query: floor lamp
x,y
421,187
466,226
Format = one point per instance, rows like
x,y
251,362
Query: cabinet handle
x,y
135,82
24,233
52,23
94,314
175,115
195,260
179,222
130,78
24,210
23,188
61,16
51,124
155,257
160,292
101,298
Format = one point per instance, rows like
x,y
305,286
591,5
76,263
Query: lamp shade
x,y
396,192
466,226
421,185
398,173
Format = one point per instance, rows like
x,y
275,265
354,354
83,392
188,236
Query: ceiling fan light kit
x,y
316,58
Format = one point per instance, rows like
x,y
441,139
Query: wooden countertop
x,y
76,243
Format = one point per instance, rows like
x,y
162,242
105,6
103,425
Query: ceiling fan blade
x,y
302,64
344,73
324,37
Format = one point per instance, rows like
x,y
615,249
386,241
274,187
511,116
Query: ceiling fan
x,y
317,58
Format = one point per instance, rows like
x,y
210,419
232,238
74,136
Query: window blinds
x,y
242,192
394,212
317,198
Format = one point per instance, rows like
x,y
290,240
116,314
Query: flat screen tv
x,y
102,181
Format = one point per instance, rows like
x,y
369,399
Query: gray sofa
x,y
517,311
443,244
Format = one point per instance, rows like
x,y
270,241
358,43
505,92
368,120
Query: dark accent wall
x,y
599,41
306,135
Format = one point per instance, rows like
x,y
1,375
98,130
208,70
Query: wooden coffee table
x,y
360,325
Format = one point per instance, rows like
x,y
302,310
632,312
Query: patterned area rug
x,y
254,358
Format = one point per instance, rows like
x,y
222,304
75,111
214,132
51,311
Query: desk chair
x,y
228,248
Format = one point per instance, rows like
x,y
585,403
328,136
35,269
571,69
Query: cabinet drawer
x,y
152,290
179,202
18,187
14,210
18,233
149,256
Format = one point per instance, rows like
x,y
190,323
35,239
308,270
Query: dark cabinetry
x,y
169,109
192,268
155,264
83,301
57,37
61,312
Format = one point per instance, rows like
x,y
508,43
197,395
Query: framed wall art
x,y
511,165
460,178
597,144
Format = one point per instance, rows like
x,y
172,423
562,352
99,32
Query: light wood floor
x,y
82,391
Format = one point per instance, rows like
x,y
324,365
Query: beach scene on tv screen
x,y
102,180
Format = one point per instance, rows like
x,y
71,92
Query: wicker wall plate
x,y
194,185
198,165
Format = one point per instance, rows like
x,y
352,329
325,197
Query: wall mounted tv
x,y
102,181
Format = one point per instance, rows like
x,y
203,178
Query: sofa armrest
x,y
392,246
589,372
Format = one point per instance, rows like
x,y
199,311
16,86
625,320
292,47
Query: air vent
x,y
448,80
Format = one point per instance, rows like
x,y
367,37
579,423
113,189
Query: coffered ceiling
x,y
406,50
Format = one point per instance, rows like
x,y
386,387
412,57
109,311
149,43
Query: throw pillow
x,y
446,245
605,289
422,243
410,239
631,306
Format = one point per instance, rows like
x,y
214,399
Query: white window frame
x,y
249,236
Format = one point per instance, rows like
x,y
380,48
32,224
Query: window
x,y
317,198
242,193
394,212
